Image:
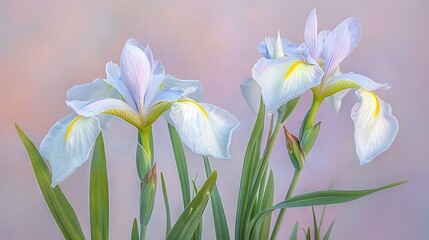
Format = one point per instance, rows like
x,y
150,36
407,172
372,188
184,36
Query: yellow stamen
x,y
196,104
71,126
292,68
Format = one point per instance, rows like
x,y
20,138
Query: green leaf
x,y
182,168
320,198
135,231
144,152
316,228
147,197
221,225
307,234
294,234
267,202
199,231
286,110
328,233
99,192
167,205
190,218
251,158
61,210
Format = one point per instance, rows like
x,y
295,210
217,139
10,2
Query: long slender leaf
x,y
328,232
294,233
198,233
316,228
61,210
190,218
182,168
267,202
135,231
167,205
99,192
251,157
221,225
321,198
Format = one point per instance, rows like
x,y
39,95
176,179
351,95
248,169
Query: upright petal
x,y
266,48
310,36
106,106
136,72
278,47
336,47
353,26
173,82
284,78
68,144
204,128
114,78
375,126
252,93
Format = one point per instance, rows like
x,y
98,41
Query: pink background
x,y
49,46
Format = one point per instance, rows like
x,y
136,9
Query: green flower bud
x,y
309,137
296,153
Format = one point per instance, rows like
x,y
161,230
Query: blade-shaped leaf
x,y
328,232
182,168
267,202
190,218
316,228
294,233
198,233
135,231
221,225
321,198
167,205
61,210
99,192
251,157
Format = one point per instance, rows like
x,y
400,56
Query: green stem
x,y
143,232
283,210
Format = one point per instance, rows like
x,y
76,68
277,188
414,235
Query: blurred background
x,y
49,46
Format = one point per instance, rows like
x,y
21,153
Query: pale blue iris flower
x,y
137,91
375,126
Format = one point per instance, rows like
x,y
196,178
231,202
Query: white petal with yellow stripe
x,y
375,126
204,128
285,78
68,144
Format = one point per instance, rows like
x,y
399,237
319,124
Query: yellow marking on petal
x,y
292,68
71,126
198,105
377,105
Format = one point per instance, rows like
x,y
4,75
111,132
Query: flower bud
x,y
309,137
147,197
296,153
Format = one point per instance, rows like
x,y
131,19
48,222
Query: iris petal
x,y
204,128
310,36
284,78
68,144
252,93
375,126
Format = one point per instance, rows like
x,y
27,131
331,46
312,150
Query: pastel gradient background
x,y
49,46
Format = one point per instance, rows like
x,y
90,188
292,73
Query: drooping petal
x,y
68,144
99,88
252,93
106,106
204,128
284,78
310,36
375,126
114,78
351,80
173,82
136,72
336,47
